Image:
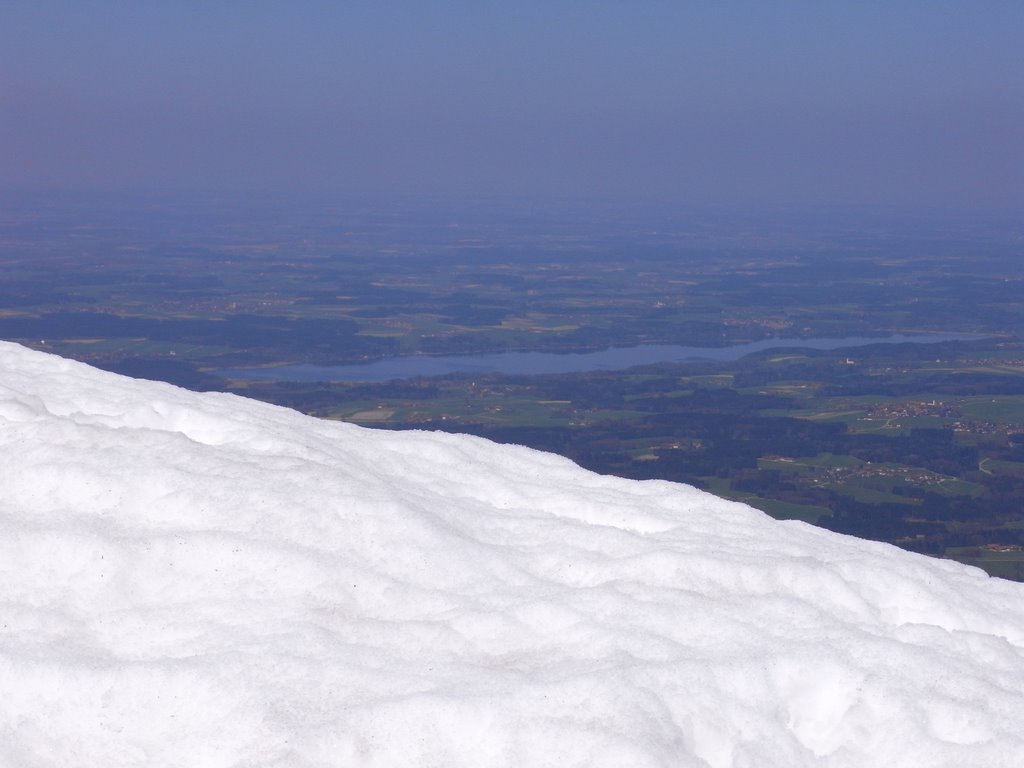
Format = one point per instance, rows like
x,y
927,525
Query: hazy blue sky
x,y
913,103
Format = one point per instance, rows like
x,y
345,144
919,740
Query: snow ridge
x,y
205,580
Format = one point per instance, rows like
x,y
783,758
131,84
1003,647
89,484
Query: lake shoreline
x,y
540,363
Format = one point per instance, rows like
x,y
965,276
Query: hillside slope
x,y
203,580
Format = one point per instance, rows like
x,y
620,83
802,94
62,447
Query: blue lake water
x,y
528,363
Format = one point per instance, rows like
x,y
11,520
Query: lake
x,y
530,363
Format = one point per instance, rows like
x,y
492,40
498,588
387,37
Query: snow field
x,y
205,580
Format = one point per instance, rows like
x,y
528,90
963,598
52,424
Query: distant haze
x,y
910,104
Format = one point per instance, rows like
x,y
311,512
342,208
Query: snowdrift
x,y
202,580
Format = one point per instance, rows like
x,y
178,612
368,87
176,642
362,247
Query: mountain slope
x,y
203,580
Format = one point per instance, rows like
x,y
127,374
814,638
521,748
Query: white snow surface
x,y
203,580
